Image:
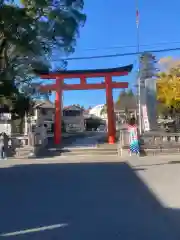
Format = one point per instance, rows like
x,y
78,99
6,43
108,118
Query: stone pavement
x,y
90,198
89,141
162,176
84,139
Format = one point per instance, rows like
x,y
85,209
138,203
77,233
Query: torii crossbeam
x,y
108,85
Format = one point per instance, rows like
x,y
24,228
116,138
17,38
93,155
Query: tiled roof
x,y
72,107
127,68
43,104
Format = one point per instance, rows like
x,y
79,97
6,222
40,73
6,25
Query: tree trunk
x,y
21,125
3,55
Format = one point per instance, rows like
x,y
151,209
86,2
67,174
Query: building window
x,y
71,113
43,111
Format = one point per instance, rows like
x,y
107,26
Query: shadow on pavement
x,y
89,201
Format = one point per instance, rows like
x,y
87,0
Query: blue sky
x,y
113,23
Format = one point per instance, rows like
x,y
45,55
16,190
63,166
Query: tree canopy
x,y
30,34
168,86
125,93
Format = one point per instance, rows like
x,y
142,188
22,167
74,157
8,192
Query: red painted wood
x,y
93,86
60,86
83,81
58,111
84,86
110,110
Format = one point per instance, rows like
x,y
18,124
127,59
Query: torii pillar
x,y
110,110
58,112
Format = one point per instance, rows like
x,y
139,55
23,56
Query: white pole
x,y
139,80
25,124
139,106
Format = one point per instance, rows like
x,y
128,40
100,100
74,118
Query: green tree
x,y
130,93
104,110
30,35
168,89
124,94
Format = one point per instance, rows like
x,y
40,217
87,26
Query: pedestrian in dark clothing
x,y
3,145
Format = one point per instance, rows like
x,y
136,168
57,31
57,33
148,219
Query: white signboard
x,y
145,118
5,116
5,127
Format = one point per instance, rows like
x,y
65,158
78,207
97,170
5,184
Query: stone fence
x,y
23,140
18,142
152,142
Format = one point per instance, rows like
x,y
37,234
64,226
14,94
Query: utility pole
x,y
138,71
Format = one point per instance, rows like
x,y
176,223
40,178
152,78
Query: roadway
x,y
92,199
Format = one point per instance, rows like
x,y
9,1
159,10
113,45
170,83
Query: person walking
x,y
133,137
3,145
44,135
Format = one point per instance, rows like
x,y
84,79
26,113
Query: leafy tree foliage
x,y
168,89
104,110
30,34
125,94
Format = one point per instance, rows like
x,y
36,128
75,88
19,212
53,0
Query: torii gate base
x,y
108,84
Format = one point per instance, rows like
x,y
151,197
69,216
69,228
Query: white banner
x,y
145,118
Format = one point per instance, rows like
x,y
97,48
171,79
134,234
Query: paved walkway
x,y
85,139
162,175
89,141
94,199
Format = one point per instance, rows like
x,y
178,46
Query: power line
x,y
116,55
129,46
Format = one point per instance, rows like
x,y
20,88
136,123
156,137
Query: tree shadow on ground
x,y
93,200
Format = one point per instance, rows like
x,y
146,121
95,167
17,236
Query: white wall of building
x,y
97,111
75,123
5,123
73,119
149,104
45,116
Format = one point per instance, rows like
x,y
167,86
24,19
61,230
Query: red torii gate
x,y
108,84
